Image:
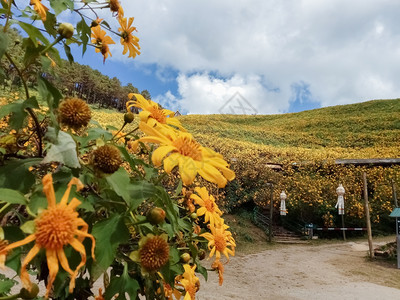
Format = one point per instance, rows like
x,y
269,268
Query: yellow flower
x,y
116,8
101,41
128,40
220,241
188,155
39,8
153,252
169,291
56,227
217,265
208,207
190,282
151,112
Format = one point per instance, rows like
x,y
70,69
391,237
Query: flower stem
x,y
30,111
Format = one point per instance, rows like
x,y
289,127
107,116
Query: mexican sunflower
x,y
56,227
182,150
190,282
153,253
219,267
39,8
220,241
151,113
101,41
115,7
128,40
208,207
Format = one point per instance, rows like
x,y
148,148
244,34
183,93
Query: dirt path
x,y
329,271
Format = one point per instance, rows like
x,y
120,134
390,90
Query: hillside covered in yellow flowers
x,y
305,144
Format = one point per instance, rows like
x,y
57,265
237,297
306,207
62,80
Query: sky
x,y
260,56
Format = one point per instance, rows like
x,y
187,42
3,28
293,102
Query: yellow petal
x,y
171,162
79,186
52,264
159,154
48,190
24,274
187,170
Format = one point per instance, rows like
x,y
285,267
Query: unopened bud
x,y
66,30
129,117
26,294
185,257
156,215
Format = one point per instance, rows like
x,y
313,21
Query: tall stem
x,y
8,15
30,111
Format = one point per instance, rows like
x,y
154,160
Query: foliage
x,y
71,78
96,199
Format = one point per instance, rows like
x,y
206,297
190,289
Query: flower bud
x,y
26,294
66,30
201,254
193,216
129,117
185,257
156,215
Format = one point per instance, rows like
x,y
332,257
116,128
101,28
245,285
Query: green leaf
x,y
163,200
200,269
3,43
140,191
12,196
63,150
60,5
84,32
6,284
119,181
15,174
122,285
37,201
28,227
50,24
67,50
48,92
18,113
33,33
108,234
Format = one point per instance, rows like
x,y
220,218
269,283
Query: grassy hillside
x,y
356,125
369,129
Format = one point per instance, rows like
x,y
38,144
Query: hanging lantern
x,y
340,201
283,209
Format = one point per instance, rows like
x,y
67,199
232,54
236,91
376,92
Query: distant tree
x,y
146,94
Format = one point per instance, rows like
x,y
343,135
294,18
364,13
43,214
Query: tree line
x,y
72,78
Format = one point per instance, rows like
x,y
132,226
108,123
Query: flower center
x,y
188,147
56,227
210,205
220,242
158,114
154,254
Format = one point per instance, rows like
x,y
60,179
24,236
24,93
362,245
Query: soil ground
x,y
332,270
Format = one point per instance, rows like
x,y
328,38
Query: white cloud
x,y
346,52
202,93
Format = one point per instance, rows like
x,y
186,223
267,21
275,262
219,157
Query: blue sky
x,y
281,56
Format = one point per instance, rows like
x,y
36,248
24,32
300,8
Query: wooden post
x,y
344,231
366,208
271,210
394,194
